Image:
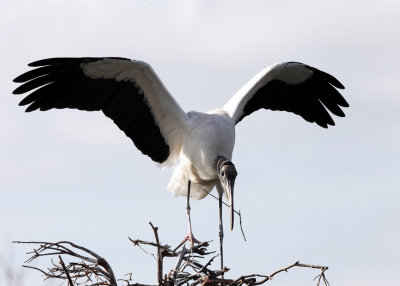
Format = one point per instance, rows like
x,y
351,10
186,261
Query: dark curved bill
x,y
228,190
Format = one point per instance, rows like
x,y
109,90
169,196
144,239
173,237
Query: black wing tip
x,y
337,84
344,103
19,90
326,125
30,108
328,77
25,101
341,86
58,61
334,81
70,60
42,62
18,79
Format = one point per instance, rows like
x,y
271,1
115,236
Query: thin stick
x,y
66,271
159,256
188,269
245,278
84,270
179,262
237,212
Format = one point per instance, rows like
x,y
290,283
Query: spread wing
x,y
292,87
127,91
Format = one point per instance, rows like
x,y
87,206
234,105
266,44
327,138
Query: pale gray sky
x,y
327,197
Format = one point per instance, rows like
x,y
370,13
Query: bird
x,y
200,144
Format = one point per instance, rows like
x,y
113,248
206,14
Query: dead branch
x,y
190,268
202,273
66,271
92,270
159,256
251,279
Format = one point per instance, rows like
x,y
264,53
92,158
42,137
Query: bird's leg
x,y
221,232
190,235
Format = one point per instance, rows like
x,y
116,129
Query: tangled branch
x,y
91,270
192,267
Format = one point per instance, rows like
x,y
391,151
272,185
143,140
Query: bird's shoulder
x,y
212,115
219,111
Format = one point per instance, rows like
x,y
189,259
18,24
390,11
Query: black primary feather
x,y
309,99
61,83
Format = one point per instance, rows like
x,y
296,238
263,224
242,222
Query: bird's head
x,y
227,174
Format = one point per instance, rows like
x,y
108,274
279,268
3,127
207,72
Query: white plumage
x,y
208,135
132,95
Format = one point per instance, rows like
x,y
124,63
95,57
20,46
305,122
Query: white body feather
x,y
208,136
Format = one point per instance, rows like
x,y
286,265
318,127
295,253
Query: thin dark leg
x,y
221,233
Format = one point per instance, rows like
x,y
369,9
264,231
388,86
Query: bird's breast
x,y
209,136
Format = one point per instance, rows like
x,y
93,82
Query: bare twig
x,y
137,242
86,269
159,256
203,275
237,212
66,271
241,226
189,269
178,263
251,279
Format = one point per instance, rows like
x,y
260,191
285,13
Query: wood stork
x,y
131,94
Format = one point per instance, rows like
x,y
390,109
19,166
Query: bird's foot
x,y
192,240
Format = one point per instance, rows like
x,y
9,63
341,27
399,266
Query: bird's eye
x,y
222,173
